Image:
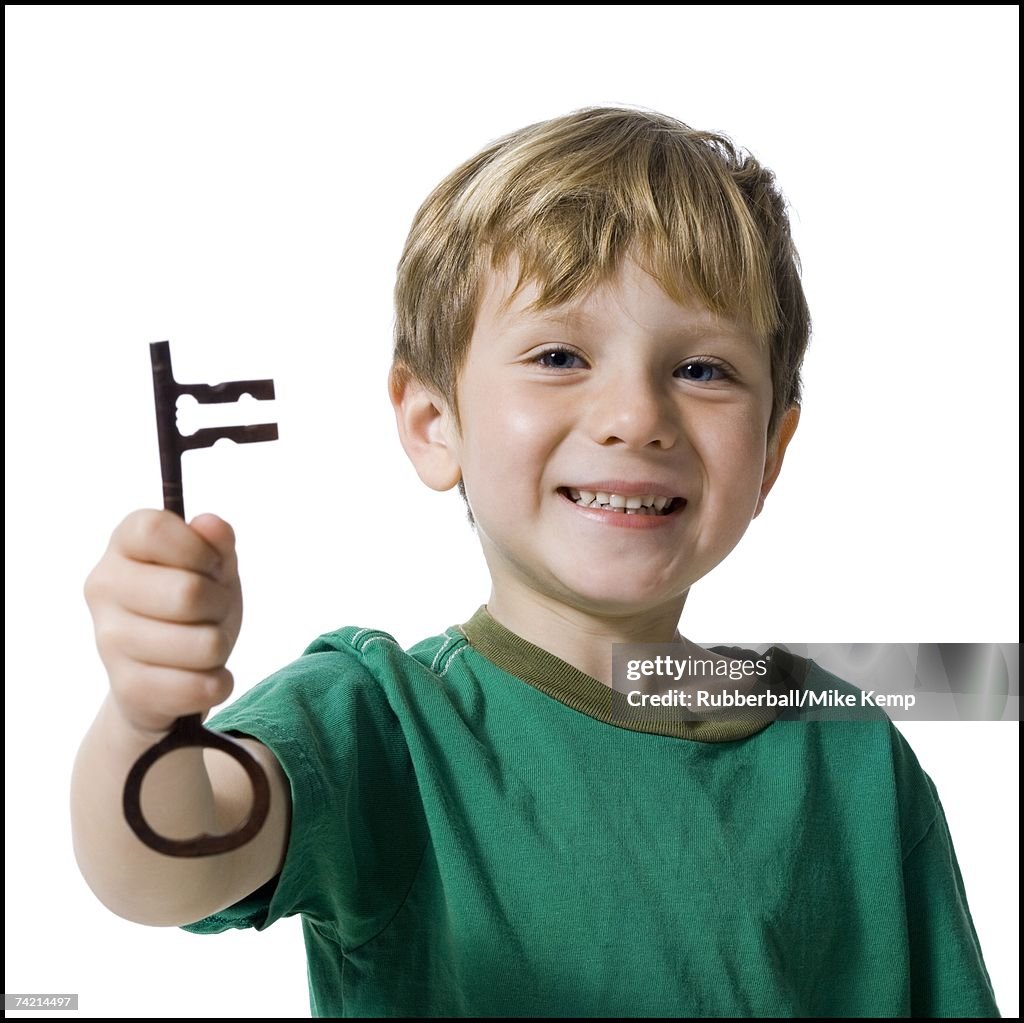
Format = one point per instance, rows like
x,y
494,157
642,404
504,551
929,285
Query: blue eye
x,y
702,372
559,358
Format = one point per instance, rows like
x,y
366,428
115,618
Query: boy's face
x,y
628,394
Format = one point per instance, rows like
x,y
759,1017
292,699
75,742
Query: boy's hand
x,y
166,603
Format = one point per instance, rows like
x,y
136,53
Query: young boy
x,y
600,327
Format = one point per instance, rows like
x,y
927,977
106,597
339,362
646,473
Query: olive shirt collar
x,y
587,695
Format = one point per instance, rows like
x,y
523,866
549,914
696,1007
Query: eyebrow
x,y
720,329
556,314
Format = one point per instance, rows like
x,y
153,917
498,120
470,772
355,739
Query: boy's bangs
x,y
699,242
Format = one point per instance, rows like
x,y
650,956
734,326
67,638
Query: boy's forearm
x,y
177,800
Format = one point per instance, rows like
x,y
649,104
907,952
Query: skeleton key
x,y
189,731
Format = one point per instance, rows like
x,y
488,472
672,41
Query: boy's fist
x,y
166,603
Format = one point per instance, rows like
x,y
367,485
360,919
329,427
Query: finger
x,y
157,695
201,647
163,538
172,594
221,537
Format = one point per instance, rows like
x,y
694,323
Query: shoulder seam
x,y
443,650
363,637
378,637
451,660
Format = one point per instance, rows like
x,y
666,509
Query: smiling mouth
x,y
645,504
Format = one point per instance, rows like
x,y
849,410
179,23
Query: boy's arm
x,y
167,607
184,794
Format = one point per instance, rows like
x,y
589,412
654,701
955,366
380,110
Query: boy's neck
x,y
581,638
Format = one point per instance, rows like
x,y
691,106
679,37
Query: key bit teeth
x,y
173,443
232,390
264,431
209,436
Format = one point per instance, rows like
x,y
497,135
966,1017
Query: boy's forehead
x,y
508,299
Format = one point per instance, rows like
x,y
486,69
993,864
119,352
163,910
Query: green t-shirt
x,y
473,834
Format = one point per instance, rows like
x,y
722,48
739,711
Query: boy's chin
x,y
616,600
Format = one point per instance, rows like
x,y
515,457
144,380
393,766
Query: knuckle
x,y
146,528
189,594
189,692
92,588
220,684
109,636
98,587
212,646
147,524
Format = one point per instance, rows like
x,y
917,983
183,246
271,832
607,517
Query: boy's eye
x,y
699,372
559,358
702,372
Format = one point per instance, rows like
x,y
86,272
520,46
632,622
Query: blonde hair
x,y
569,198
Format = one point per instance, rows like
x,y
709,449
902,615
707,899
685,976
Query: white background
x,y
240,180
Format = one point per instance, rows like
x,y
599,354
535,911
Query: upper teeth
x,y
644,504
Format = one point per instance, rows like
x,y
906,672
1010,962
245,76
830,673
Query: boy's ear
x,y
776,453
427,430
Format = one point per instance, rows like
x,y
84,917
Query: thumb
x,y
221,537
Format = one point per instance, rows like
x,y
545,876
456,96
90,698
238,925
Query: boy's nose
x,y
630,409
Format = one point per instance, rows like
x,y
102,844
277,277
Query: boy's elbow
x,y
142,896
150,915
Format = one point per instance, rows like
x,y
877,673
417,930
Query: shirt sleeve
x,y
948,977
357,831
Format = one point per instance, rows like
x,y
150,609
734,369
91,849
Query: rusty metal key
x,y
188,731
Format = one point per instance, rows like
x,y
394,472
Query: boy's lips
x,y
620,502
